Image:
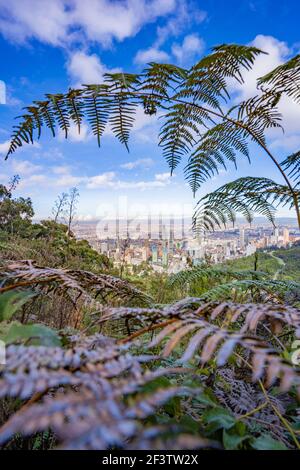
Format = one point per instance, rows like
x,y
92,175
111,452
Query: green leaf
x,y
37,334
158,382
219,418
266,442
205,399
232,440
173,406
11,302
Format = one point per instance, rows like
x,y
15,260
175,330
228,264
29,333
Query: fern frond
x,y
36,118
220,343
25,274
260,113
200,273
158,79
246,317
59,109
230,59
96,107
46,114
23,133
122,108
246,195
284,79
206,82
74,105
292,164
198,322
276,289
95,416
179,132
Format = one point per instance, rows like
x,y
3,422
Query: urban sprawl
x,y
170,245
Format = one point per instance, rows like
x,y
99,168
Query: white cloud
x,y
109,180
33,180
289,143
104,20
63,22
4,147
141,162
67,180
24,167
151,55
53,154
2,92
61,169
192,47
101,181
84,68
185,15
278,53
85,218
49,23
163,177
54,177
141,185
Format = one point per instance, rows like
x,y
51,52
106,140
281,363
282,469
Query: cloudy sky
x,y
48,46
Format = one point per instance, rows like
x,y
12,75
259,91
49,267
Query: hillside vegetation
x,y
147,361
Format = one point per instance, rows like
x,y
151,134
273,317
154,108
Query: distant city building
x,y
165,255
250,249
154,254
182,228
149,227
104,247
242,238
160,227
286,236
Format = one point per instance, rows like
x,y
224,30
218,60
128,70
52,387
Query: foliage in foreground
x,y
123,391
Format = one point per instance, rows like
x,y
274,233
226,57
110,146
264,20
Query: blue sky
x,y
48,46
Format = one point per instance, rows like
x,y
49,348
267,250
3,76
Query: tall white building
x,y
242,238
286,236
276,235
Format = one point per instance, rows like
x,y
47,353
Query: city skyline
x,y
171,248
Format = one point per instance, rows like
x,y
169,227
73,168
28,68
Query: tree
x,y
13,183
15,213
59,206
200,122
72,201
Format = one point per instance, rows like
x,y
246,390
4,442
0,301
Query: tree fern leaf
x,y
276,289
46,114
292,164
74,105
244,195
96,107
284,78
23,132
200,273
60,111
